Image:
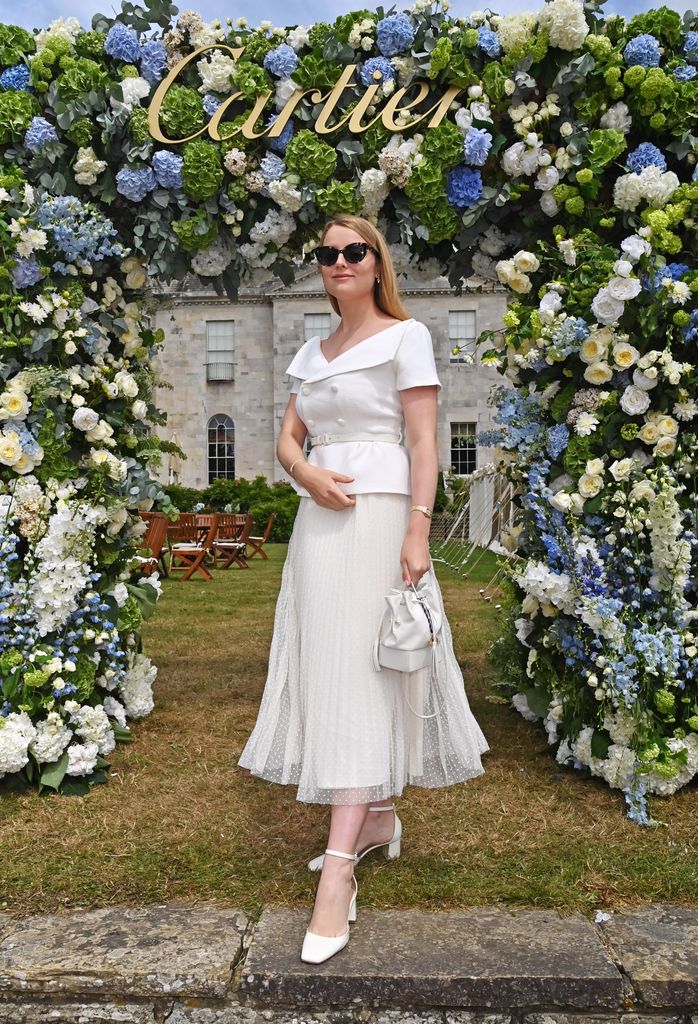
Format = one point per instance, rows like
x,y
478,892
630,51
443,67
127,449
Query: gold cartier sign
x,y
397,104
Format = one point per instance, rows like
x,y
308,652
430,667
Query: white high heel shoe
x,y
317,948
391,848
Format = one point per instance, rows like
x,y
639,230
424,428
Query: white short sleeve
x,y
295,386
414,361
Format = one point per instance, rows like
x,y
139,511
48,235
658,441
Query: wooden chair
x,y
257,543
190,541
154,542
230,544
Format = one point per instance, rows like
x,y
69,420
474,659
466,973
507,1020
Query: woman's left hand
x,y
414,558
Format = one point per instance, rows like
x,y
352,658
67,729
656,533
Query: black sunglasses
x,y
355,252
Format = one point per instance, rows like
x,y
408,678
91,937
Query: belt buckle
x,y
323,438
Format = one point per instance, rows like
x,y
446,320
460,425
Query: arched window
x,y
221,448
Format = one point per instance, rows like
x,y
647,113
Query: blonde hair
x,y
386,294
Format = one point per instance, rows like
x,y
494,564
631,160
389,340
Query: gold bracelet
x,y
423,509
290,472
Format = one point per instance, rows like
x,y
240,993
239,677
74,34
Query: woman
x,y
328,721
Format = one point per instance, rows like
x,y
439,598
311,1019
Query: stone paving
x,y
194,964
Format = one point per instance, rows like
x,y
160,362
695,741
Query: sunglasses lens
x,y
326,255
355,252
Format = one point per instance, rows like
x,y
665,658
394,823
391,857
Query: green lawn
x,y
179,819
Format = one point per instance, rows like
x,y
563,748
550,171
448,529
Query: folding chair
x,y
154,541
257,543
190,541
231,543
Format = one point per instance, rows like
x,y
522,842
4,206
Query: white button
x,y
340,420
311,423
335,387
305,389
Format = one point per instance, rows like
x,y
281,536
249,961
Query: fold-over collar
x,y
310,365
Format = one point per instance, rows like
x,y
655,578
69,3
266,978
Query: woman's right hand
x,y
320,484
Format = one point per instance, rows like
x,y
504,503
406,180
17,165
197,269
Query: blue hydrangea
x,y
464,186
691,329
652,282
39,132
690,46
167,168
135,184
26,273
280,143
643,50
685,72
646,155
382,66
211,104
122,43
153,61
478,143
558,436
488,41
694,176
567,336
282,61
394,34
16,78
79,232
271,167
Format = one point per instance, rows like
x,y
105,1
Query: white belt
x,y
357,436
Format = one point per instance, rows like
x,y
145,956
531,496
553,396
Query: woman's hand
x,y
320,484
414,558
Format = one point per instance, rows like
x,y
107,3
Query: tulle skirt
x,y
328,721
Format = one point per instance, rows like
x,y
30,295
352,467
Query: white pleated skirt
x,y
328,721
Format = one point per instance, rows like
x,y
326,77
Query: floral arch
x,y
554,152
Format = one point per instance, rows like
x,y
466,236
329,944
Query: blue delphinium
x,y
280,143
39,132
558,436
16,78
476,147
122,43
643,50
26,273
271,167
211,104
685,72
690,46
691,330
135,184
653,282
153,61
464,186
635,798
377,64
282,61
394,34
167,168
488,41
646,155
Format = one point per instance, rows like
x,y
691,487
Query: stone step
x,y
485,958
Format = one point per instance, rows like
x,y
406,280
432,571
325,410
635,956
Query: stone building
x,y
226,362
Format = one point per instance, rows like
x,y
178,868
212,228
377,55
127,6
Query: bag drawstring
x,y
432,670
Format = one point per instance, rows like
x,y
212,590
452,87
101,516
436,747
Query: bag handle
x,y
425,608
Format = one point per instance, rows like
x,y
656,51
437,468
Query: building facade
x,y
226,364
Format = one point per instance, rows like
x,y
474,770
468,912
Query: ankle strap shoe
x,y
390,849
318,948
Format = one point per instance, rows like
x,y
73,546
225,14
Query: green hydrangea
x,y
257,46
35,679
195,232
314,71
229,140
426,185
138,125
338,197
663,23
17,108
576,455
440,220
440,56
79,77
469,37
664,701
310,157
444,144
15,42
202,172
237,190
80,131
657,121
318,35
129,71
374,139
681,318
130,617
90,44
692,722
612,74
11,177
42,73
585,175
634,76
460,71
182,112
84,677
251,80
605,145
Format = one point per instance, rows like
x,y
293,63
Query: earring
x,y
378,280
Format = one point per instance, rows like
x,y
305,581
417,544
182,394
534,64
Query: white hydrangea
x,y
235,162
516,30
285,195
298,37
548,587
137,687
93,725
214,259
51,739
653,185
566,23
553,718
87,167
520,702
285,89
61,28
16,733
618,118
214,71
374,188
82,758
134,90
115,709
277,227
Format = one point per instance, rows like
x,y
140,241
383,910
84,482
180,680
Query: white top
x,y
358,391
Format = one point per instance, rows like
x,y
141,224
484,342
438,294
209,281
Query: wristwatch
x,y
422,508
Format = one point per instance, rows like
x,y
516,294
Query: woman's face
x,y
349,281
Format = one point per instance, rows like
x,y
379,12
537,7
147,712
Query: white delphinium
x,y
137,687
16,733
671,552
51,739
554,717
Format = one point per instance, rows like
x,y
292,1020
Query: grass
x,y
179,820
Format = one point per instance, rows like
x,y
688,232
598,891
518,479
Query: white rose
x,y
624,288
646,381
668,425
648,433
85,419
598,373
642,491
561,501
634,400
665,446
625,355
139,409
593,349
526,262
635,247
590,484
595,467
606,308
621,469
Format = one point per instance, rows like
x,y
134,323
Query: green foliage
x,y
310,157
182,112
202,172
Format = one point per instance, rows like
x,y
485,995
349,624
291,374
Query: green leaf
x,y
600,742
538,700
52,774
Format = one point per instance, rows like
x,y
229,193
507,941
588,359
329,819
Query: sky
x,y
40,13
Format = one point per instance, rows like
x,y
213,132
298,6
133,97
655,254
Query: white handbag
x,y
409,632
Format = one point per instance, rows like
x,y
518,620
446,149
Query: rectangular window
x,y
317,324
462,335
220,350
463,448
